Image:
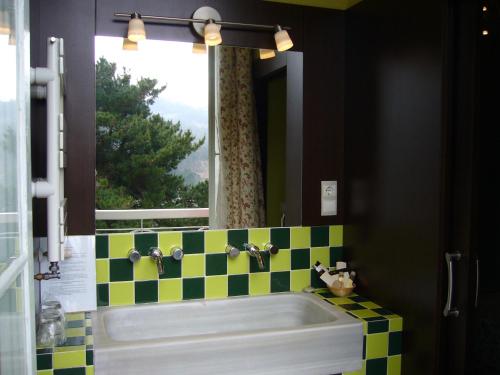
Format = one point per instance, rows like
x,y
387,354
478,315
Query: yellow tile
x,y
73,348
396,324
167,240
394,365
216,287
259,283
75,332
215,241
281,261
75,316
89,370
300,237
259,236
340,300
45,372
69,359
102,270
89,340
238,265
145,269
299,279
121,293
336,235
321,254
365,314
361,371
170,290
120,244
377,345
193,265
370,305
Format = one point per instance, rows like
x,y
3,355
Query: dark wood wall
x,y
317,32
395,164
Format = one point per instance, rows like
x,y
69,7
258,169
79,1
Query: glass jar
x,y
51,329
53,305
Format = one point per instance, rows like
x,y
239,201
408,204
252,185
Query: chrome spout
x,y
254,251
157,257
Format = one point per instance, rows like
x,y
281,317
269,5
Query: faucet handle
x,y
157,256
177,253
134,255
232,251
273,249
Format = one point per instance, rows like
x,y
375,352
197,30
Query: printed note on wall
x,y
76,288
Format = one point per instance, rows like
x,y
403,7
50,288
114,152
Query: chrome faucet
x,y
157,257
254,251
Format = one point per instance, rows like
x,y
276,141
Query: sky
x,y
172,63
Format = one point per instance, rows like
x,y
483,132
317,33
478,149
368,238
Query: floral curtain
x,y
240,198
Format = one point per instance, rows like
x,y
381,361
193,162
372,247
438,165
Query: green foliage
x,y
137,151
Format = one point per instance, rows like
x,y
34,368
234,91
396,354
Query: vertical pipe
x,y
53,201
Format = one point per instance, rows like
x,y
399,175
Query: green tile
x,y
300,259
89,357
121,270
237,237
216,264
376,366
280,282
336,235
102,295
121,293
254,265
215,241
193,242
120,244
377,345
336,255
299,279
145,241
281,261
172,268
300,237
395,341
260,283
193,288
43,361
237,285
216,287
193,265
378,326
280,237
101,246
316,282
70,371
394,365
170,290
146,291
319,236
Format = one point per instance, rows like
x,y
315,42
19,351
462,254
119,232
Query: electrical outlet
x,y
328,198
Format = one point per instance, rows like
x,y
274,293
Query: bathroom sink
x,y
285,333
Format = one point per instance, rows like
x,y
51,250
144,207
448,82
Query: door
x,y
16,273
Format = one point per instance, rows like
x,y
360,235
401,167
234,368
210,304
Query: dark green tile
x,y
70,371
44,351
359,299
237,285
364,340
193,242
89,357
74,341
146,291
378,326
395,341
352,306
254,265
193,288
121,270
101,247
316,282
237,237
320,236
75,324
216,264
172,268
145,241
336,255
44,361
301,259
383,311
280,237
280,282
88,331
102,295
376,366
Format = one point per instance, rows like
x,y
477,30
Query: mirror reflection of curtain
x,y
240,197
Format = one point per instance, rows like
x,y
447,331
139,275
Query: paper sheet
x,y
76,290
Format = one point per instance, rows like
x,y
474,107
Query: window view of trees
x,y
138,151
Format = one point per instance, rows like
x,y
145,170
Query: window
x,y
152,135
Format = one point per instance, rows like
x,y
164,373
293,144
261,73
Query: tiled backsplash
x,y
206,271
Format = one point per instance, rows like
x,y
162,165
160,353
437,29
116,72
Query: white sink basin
x,y
286,333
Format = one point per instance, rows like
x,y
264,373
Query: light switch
x,y
328,198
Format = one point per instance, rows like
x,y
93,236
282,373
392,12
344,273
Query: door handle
x,y
448,309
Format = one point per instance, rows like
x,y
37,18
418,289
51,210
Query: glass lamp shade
x,y
136,31
199,48
283,41
266,54
128,45
212,34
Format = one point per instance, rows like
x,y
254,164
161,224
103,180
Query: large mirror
x,y
189,137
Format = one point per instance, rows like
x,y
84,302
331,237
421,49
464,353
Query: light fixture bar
x,y
179,20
